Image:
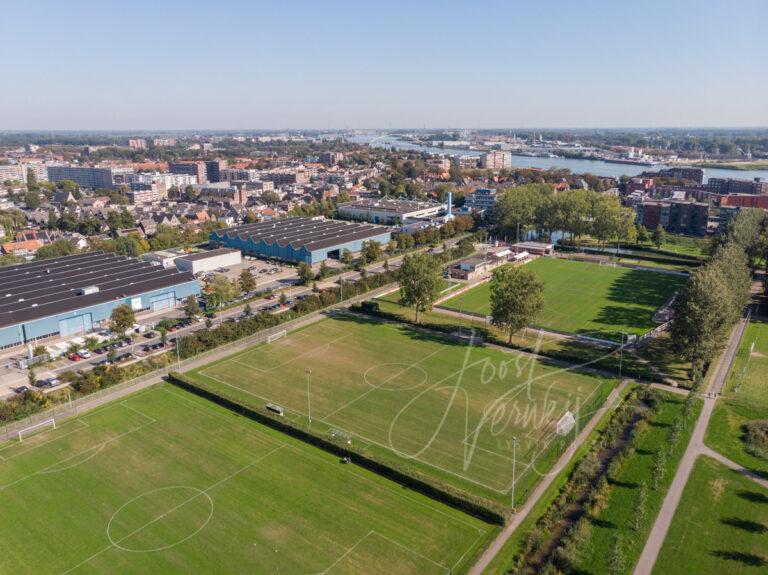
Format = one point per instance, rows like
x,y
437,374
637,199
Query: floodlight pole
x,y
621,354
514,468
309,396
178,356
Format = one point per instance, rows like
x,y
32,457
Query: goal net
x,y
341,436
276,336
42,424
565,424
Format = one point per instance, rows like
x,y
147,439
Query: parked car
x,y
150,334
75,357
84,353
23,389
210,315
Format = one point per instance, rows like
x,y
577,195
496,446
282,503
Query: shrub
x,y
756,437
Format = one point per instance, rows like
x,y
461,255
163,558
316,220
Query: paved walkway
x,y
695,448
729,463
498,543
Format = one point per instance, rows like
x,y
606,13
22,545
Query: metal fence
x,y
75,406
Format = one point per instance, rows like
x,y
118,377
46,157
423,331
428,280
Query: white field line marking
x,y
166,513
320,348
460,559
256,395
307,453
100,446
422,461
383,383
52,439
409,550
347,552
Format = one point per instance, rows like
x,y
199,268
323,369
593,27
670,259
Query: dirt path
x,y
493,550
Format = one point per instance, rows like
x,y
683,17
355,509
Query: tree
x,y
163,331
305,273
283,299
247,281
642,234
704,310
347,258
420,282
617,561
220,291
640,506
517,297
32,184
122,319
31,376
323,271
247,311
659,236
659,467
191,307
32,200
270,197
371,251
56,249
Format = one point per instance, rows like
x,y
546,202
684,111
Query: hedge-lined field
x,y
424,402
589,299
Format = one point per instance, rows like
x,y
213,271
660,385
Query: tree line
x,y
713,301
575,212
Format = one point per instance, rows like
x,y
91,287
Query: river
x,y
596,167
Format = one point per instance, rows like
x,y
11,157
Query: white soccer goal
x,y
51,422
276,336
565,424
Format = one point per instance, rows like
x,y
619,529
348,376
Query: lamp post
x,y
309,397
621,355
514,466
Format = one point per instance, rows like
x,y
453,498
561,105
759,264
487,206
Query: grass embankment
x,y
745,399
621,514
721,525
513,547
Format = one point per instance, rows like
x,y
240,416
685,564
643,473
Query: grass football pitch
x,y
426,403
165,482
588,299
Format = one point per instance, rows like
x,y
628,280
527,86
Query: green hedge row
x,y
477,506
661,258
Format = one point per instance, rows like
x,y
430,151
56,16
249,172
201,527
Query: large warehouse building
x,y
76,294
208,261
310,240
391,211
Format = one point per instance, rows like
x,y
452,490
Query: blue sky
x,y
290,64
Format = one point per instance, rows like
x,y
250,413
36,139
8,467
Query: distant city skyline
x,y
240,65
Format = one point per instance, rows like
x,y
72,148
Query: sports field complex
x,y
165,482
585,298
429,405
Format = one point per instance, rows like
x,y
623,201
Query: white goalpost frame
x,y
35,426
276,336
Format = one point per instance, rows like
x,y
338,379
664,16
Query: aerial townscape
x,y
415,288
